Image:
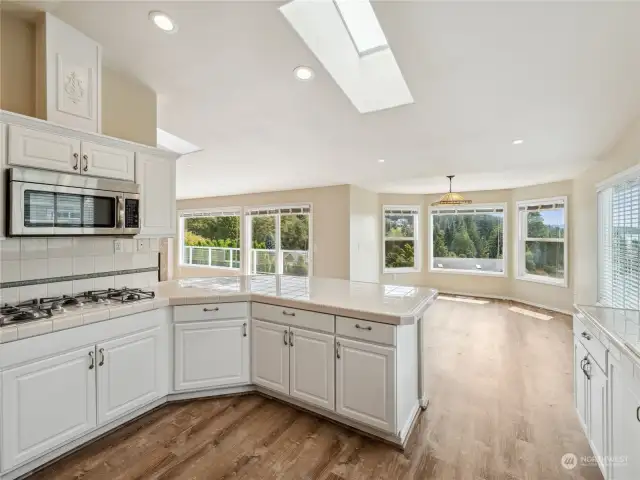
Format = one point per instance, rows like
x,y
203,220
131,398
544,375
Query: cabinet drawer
x,y
211,311
590,341
293,316
365,330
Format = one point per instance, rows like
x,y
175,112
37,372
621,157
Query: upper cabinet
x,y
156,176
68,75
102,161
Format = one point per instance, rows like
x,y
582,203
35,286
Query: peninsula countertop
x,y
392,304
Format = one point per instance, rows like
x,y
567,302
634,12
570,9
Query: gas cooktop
x,y
39,308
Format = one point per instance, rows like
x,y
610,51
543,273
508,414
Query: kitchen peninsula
x,y
348,351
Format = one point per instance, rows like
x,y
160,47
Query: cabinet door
x,y
108,162
157,179
32,148
211,354
625,422
365,383
312,367
597,405
47,403
132,371
3,164
270,355
580,384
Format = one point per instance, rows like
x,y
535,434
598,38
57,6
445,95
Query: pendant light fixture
x,y
451,198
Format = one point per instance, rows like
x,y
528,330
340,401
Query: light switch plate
x,y
142,245
118,246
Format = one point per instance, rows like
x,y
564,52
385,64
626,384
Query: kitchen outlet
x,y
142,245
118,246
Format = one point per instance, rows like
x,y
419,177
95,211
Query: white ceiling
x,y
562,76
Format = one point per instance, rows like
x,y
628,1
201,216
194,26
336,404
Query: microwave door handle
x,y
119,212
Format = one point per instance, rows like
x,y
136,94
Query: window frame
x,y
417,249
181,234
480,273
521,239
248,234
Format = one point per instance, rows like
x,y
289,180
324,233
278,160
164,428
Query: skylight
x,y
168,141
363,26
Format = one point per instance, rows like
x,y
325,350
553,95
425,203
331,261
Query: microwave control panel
x,y
131,213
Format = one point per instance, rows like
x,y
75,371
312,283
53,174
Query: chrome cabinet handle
x,y
338,350
586,335
101,357
93,362
86,162
285,337
291,338
363,328
638,414
75,155
210,309
244,329
587,363
293,314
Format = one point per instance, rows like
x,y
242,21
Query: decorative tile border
x,y
40,281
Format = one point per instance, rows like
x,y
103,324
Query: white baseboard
x,y
511,299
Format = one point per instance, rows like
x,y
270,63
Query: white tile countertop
x,y
616,325
392,304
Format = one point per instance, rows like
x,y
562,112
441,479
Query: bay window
x,y
542,230
400,249
211,238
467,239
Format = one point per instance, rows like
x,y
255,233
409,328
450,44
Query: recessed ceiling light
x,y
381,160
304,73
518,141
163,21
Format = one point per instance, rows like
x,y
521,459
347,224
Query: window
x,y
619,242
211,238
542,255
400,239
468,240
280,239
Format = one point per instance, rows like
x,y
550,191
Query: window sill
x,y
401,270
545,280
468,272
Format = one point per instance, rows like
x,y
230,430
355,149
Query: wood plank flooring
x,y
501,408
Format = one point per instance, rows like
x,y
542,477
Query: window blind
x,y
209,213
538,208
619,245
294,210
401,211
467,211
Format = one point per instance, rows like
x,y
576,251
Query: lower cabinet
x,y
47,403
365,383
625,423
270,355
580,385
211,354
132,371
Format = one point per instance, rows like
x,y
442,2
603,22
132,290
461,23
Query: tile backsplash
x,y
29,259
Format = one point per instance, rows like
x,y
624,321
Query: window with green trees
x,y
211,239
400,238
541,235
468,239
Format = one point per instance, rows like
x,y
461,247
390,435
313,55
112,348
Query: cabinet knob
x,y
86,162
363,328
291,338
586,335
93,361
75,155
285,337
101,357
244,329
338,350
210,309
292,314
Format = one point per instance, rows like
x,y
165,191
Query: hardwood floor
x,y
501,408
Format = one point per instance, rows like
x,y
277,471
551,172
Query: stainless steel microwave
x,y
43,203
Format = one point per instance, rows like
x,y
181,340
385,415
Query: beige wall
x,y
365,235
625,154
330,225
129,108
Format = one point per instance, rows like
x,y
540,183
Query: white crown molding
x,y
56,129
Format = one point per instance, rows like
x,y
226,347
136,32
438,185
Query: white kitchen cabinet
x,y
597,408
33,148
131,372
365,383
580,390
157,179
211,354
270,355
3,165
312,367
625,422
69,71
108,162
46,403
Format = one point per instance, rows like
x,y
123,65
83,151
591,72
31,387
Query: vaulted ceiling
x,y
561,76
